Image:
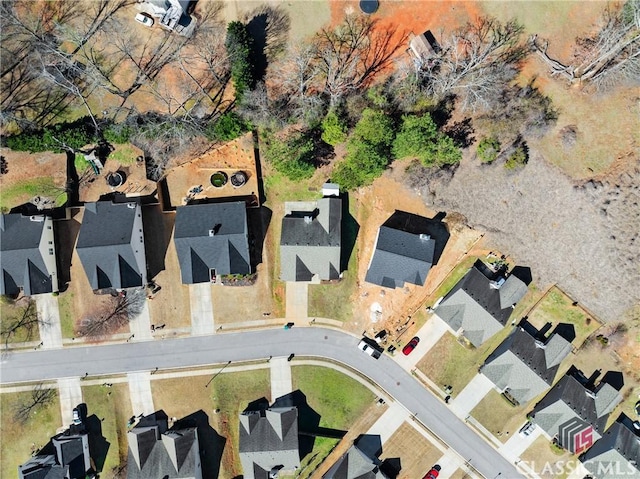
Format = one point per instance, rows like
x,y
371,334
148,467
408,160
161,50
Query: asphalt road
x,y
223,347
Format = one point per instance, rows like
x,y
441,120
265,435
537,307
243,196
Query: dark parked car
x,y
411,345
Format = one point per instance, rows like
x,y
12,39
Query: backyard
x,y
21,439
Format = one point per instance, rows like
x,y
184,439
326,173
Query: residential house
x,y
157,451
111,245
311,239
65,456
480,304
269,442
404,251
355,464
212,240
525,364
617,453
574,412
172,14
27,255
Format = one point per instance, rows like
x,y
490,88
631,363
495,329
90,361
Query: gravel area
x,y
582,236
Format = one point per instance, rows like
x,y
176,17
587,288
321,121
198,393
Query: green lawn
x,y
546,460
452,279
557,308
451,363
22,191
20,440
339,399
111,412
67,319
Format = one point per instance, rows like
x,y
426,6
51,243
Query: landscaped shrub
x,y
488,149
334,129
56,138
118,133
228,127
517,158
239,46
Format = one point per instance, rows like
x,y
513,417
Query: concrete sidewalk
x,y
202,321
429,335
391,420
297,300
140,392
471,395
280,377
140,326
70,396
49,320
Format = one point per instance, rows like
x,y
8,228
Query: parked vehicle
x,y
433,473
363,345
410,346
527,429
77,417
145,19
380,337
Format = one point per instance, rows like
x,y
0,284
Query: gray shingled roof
x,y
158,452
616,454
475,305
400,257
105,245
355,464
21,260
312,247
525,366
66,455
570,398
212,236
268,439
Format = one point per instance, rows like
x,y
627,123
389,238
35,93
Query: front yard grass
x,y
334,300
555,308
451,363
547,460
67,320
11,313
416,453
20,440
112,412
499,416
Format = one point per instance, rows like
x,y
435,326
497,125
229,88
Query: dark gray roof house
x,y
111,245
66,456
524,365
310,240
480,304
616,454
269,442
404,252
27,255
355,464
155,451
575,411
212,239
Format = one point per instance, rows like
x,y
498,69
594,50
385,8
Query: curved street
x,y
254,345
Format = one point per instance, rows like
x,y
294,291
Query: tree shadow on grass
x,y
269,27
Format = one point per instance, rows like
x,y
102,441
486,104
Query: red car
x,y
433,473
411,345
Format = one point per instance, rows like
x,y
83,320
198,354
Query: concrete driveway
x,y
258,345
471,395
70,396
280,377
429,335
391,420
517,443
297,300
49,320
202,321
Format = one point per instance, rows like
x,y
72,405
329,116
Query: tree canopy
x,y
419,138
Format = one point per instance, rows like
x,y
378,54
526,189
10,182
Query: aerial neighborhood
x,y
321,239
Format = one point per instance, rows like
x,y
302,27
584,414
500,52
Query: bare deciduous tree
x,y
114,314
40,397
475,62
609,57
25,321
